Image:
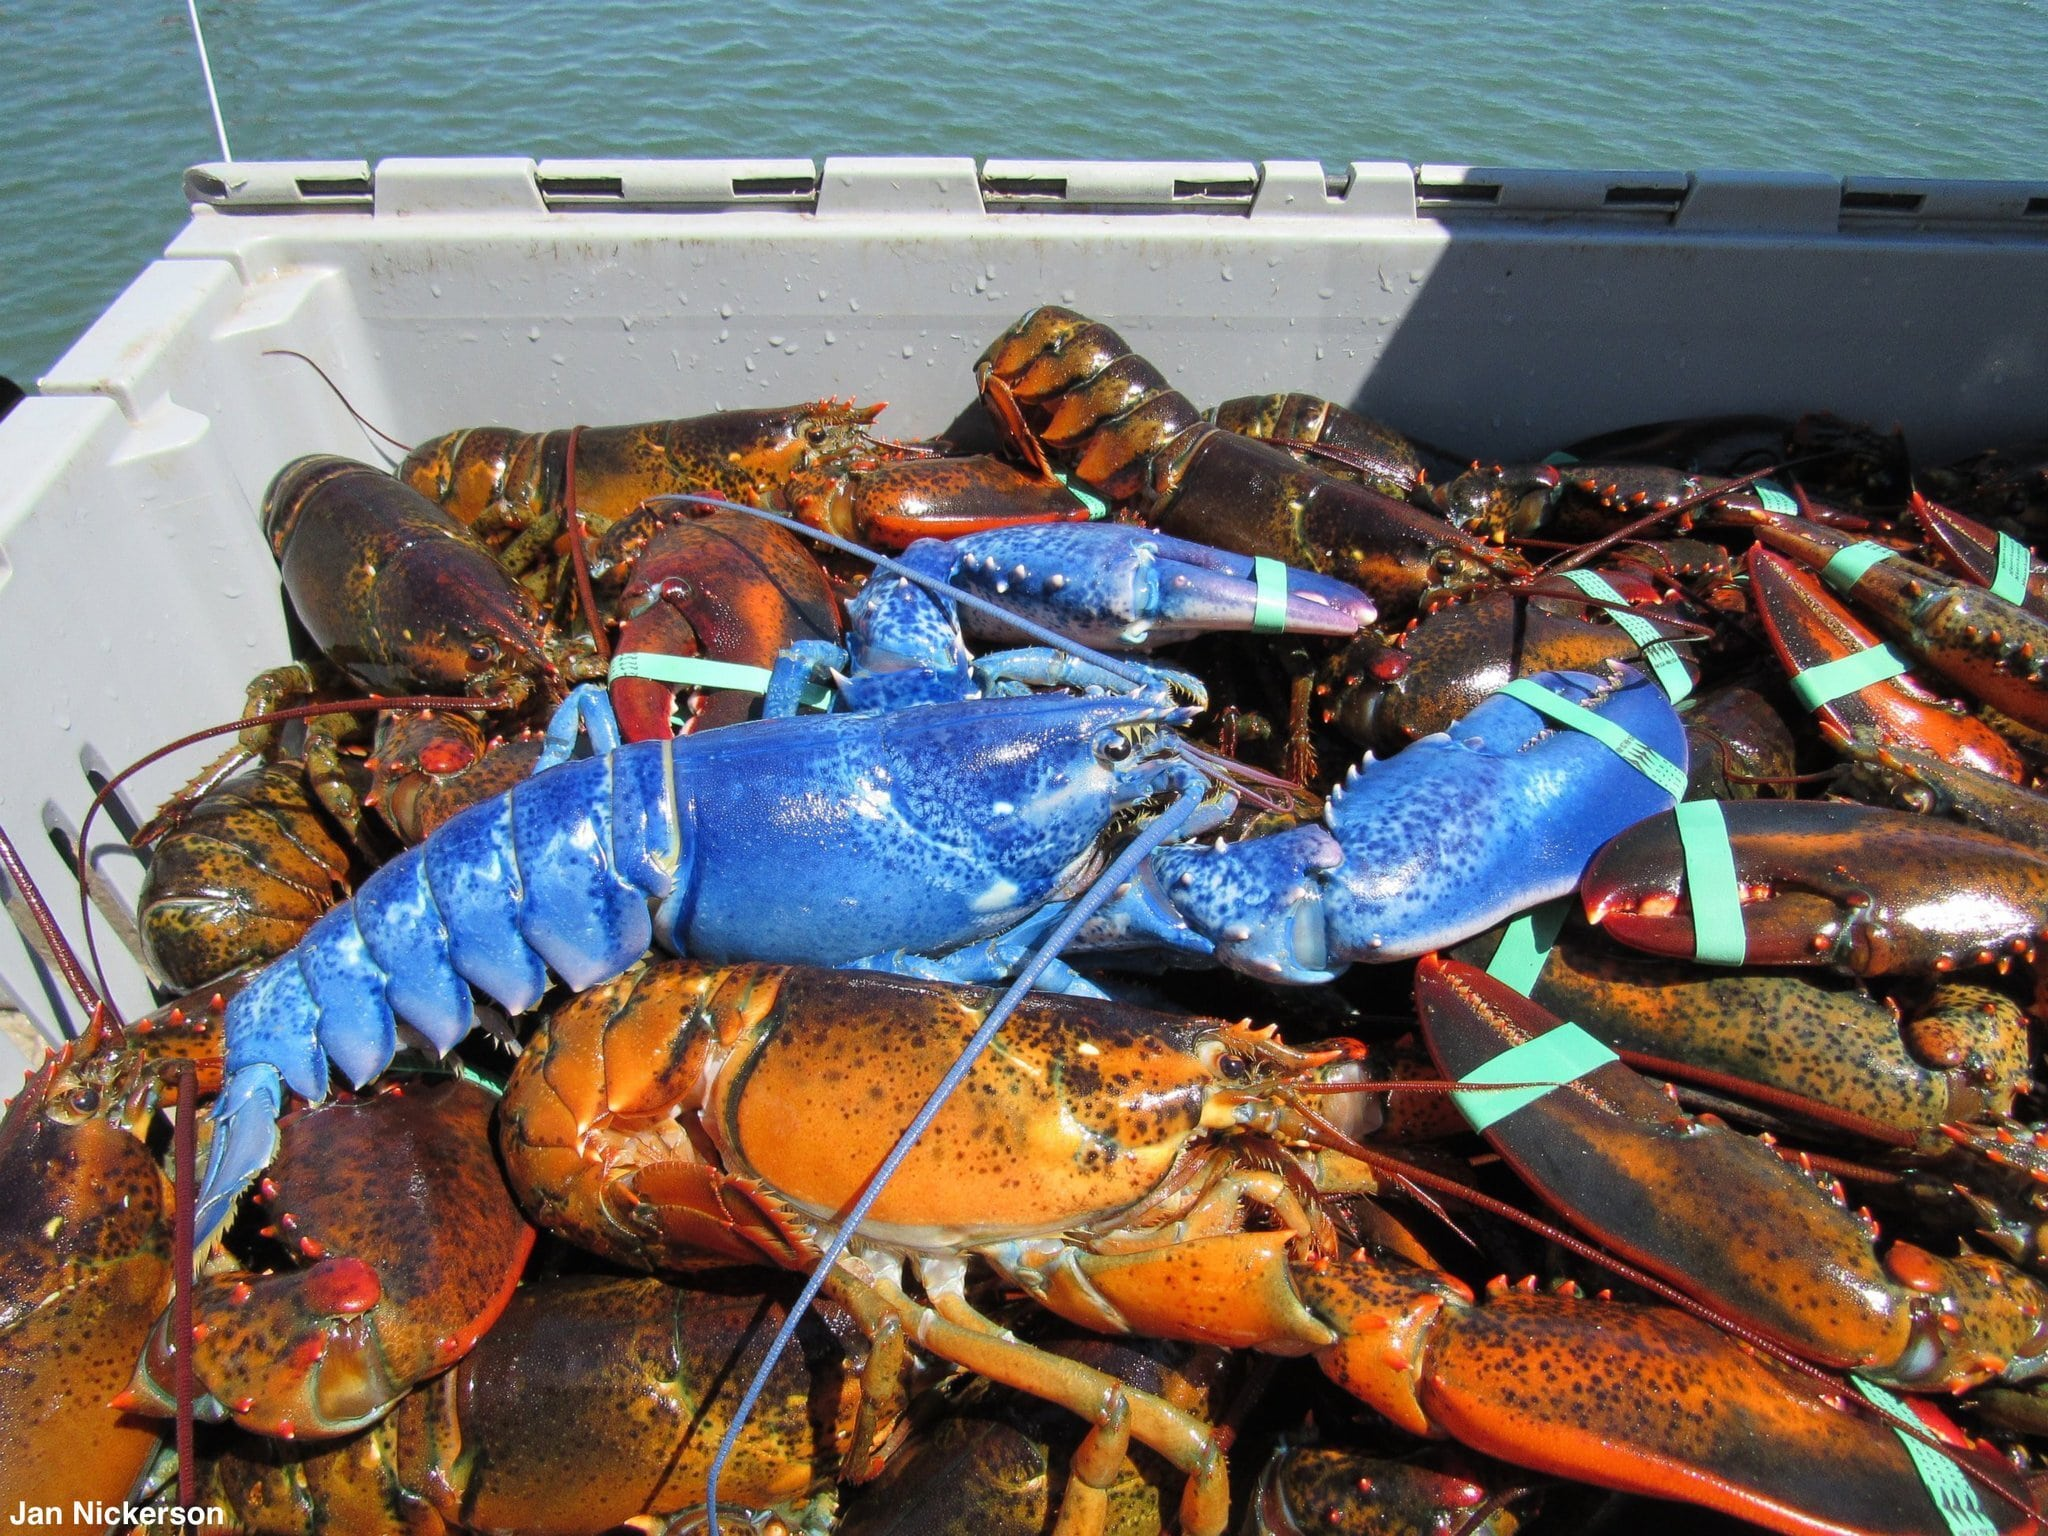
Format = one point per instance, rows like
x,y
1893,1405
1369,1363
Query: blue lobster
x,y
837,838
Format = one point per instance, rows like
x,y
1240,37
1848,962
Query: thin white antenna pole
x,y
206,68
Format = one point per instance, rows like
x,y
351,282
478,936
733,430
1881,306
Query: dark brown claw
x,y
1875,892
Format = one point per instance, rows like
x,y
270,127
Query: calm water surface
x,y
101,105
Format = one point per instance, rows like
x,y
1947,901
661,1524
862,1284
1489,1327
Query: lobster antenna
x,y
270,717
1186,802
1600,546
931,584
61,952
346,404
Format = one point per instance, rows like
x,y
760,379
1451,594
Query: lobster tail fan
x,y
244,1142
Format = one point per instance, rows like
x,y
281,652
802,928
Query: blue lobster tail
x,y
273,1022
402,932
576,911
473,874
356,1028
244,1141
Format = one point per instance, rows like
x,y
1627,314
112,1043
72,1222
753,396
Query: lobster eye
x,y
1236,1068
483,652
1115,748
83,1101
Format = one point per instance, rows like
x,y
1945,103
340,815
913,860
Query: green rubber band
x,y
1955,1496
1547,1062
1561,459
1527,945
2015,565
1847,566
1718,937
1639,755
1269,612
703,672
1097,507
1774,499
689,671
1658,653
1832,680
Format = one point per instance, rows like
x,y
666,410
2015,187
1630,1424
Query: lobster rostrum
x,y
1133,1172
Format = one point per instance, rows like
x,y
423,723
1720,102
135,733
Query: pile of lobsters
x,y
1270,977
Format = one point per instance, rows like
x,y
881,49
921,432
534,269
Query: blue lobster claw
x,y
1119,587
1422,850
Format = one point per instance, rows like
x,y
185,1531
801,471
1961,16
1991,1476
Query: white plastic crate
x,y
1496,311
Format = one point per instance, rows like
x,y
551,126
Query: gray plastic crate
x,y
1499,311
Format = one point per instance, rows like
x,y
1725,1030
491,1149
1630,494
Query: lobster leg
x,y
980,1346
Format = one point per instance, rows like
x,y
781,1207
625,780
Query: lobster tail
x,y
244,1142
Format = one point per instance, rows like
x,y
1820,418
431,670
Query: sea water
x,y
102,104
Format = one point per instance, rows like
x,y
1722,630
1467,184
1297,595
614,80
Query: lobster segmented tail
x,y
555,874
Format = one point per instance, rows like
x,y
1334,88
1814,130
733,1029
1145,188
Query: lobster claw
x,y
1808,629
1875,892
1734,1431
1122,587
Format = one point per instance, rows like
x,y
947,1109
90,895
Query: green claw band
x,y
2015,564
1269,612
689,671
1954,1495
1560,459
1658,653
703,672
1527,945
1717,933
1848,565
1774,499
1639,755
1098,509
1546,1062
1832,680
